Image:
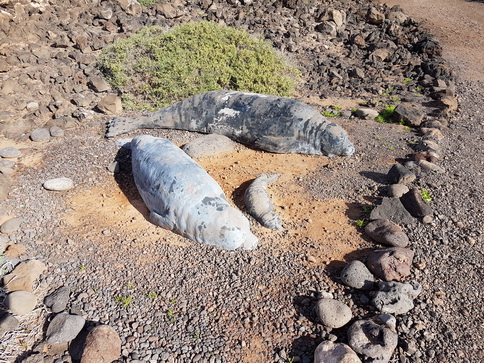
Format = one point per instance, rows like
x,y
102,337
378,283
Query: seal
x,y
270,123
183,198
258,202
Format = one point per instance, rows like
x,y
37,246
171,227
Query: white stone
x,y
59,184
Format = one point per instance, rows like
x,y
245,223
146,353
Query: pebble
x,y
32,106
110,104
386,232
366,113
392,209
8,322
356,275
333,313
10,152
399,174
59,184
57,300
328,352
397,190
374,338
390,263
102,345
414,203
64,328
40,134
429,166
396,297
15,250
20,302
209,145
56,131
12,225
23,275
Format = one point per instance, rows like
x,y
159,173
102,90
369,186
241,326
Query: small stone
x,y
397,190
167,10
8,322
329,352
64,328
57,301
10,152
427,219
397,17
374,338
398,174
428,166
24,275
103,345
110,104
40,134
15,250
333,313
375,17
409,113
114,167
431,146
431,133
208,145
414,203
396,297
32,106
12,225
386,232
366,113
59,184
56,131
356,275
390,263
98,84
392,209
20,302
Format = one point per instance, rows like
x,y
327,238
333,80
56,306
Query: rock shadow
x,y
239,193
334,268
124,179
375,176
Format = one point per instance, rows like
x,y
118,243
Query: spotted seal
x,y
183,198
270,123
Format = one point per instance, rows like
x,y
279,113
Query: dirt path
x,y
459,25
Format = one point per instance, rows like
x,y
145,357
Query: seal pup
x,y
258,202
183,198
270,123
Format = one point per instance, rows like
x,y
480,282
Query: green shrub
x,y
148,2
386,114
157,67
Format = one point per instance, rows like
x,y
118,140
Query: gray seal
x,y
275,124
258,202
183,198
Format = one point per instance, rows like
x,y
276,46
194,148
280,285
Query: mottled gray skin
x,y
270,123
183,198
258,202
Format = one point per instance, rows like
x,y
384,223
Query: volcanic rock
x,y
396,297
390,263
356,275
387,233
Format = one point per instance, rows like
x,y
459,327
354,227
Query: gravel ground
x,y
172,300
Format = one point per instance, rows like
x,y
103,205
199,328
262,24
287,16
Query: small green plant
x,y
385,94
152,295
290,360
197,335
331,114
172,301
386,114
391,148
395,99
390,89
148,2
361,222
129,285
367,209
407,80
170,313
82,268
407,128
336,108
125,301
157,67
426,196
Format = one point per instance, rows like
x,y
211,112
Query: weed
x,y
386,114
148,2
361,222
391,148
418,89
197,335
407,128
336,108
354,109
82,268
426,196
395,99
170,313
331,114
155,67
385,94
367,209
407,80
129,285
390,89
290,360
172,301
152,295
125,301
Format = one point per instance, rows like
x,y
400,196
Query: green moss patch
x,y
155,67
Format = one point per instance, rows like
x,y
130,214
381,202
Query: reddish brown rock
x,y
390,264
103,345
